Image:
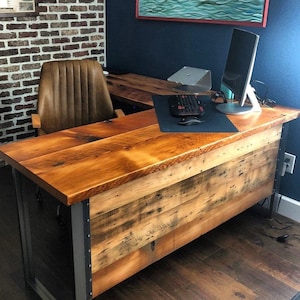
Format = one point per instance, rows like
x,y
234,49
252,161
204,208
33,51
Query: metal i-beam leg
x,y
275,196
25,236
80,216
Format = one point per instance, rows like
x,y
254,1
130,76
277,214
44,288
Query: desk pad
x,y
214,121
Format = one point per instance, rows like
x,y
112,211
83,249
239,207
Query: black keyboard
x,y
185,105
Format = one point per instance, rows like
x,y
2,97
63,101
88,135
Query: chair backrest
x,y
72,93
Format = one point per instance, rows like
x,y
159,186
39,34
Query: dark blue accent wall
x,y
158,49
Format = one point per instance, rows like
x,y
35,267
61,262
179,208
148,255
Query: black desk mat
x,y
214,121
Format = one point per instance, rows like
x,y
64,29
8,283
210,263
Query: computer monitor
x,y
238,72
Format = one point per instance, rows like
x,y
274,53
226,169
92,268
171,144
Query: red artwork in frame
x,y
234,12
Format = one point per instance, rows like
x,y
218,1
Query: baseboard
x,y
289,208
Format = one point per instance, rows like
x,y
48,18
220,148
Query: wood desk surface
x,y
134,88
81,162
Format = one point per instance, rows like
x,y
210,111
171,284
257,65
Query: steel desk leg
x,y
25,235
274,201
80,242
81,249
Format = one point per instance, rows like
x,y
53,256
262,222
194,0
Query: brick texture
x,y
62,29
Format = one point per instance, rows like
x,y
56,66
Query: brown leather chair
x,y
72,93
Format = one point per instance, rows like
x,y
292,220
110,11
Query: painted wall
x,y
157,48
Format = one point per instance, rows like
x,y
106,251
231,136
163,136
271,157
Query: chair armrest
x,y
36,121
119,113
36,124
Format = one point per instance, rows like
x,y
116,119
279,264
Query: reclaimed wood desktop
x,y
138,194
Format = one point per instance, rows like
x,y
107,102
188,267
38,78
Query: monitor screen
x,y
238,72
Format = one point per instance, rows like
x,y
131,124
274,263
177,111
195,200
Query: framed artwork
x,y
235,12
17,7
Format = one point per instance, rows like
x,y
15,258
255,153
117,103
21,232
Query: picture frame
x,y
232,12
10,8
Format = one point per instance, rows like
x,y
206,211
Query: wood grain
x,y
101,156
151,192
235,259
124,234
114,153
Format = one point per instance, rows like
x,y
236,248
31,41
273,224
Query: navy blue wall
x,y
158,49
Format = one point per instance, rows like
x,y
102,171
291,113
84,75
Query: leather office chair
x,y
71,93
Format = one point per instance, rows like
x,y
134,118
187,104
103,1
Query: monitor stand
x,y
235,108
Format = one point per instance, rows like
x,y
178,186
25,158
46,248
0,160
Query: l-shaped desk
x,y
137,194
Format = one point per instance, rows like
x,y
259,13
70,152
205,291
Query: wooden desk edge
x,y
138,173
153,86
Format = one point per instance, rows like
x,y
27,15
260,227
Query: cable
x,y
261,83
264,100
283,226
288,224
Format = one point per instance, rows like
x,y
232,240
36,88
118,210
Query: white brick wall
x,y
63,29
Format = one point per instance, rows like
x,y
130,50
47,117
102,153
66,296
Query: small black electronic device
x,y
186,106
